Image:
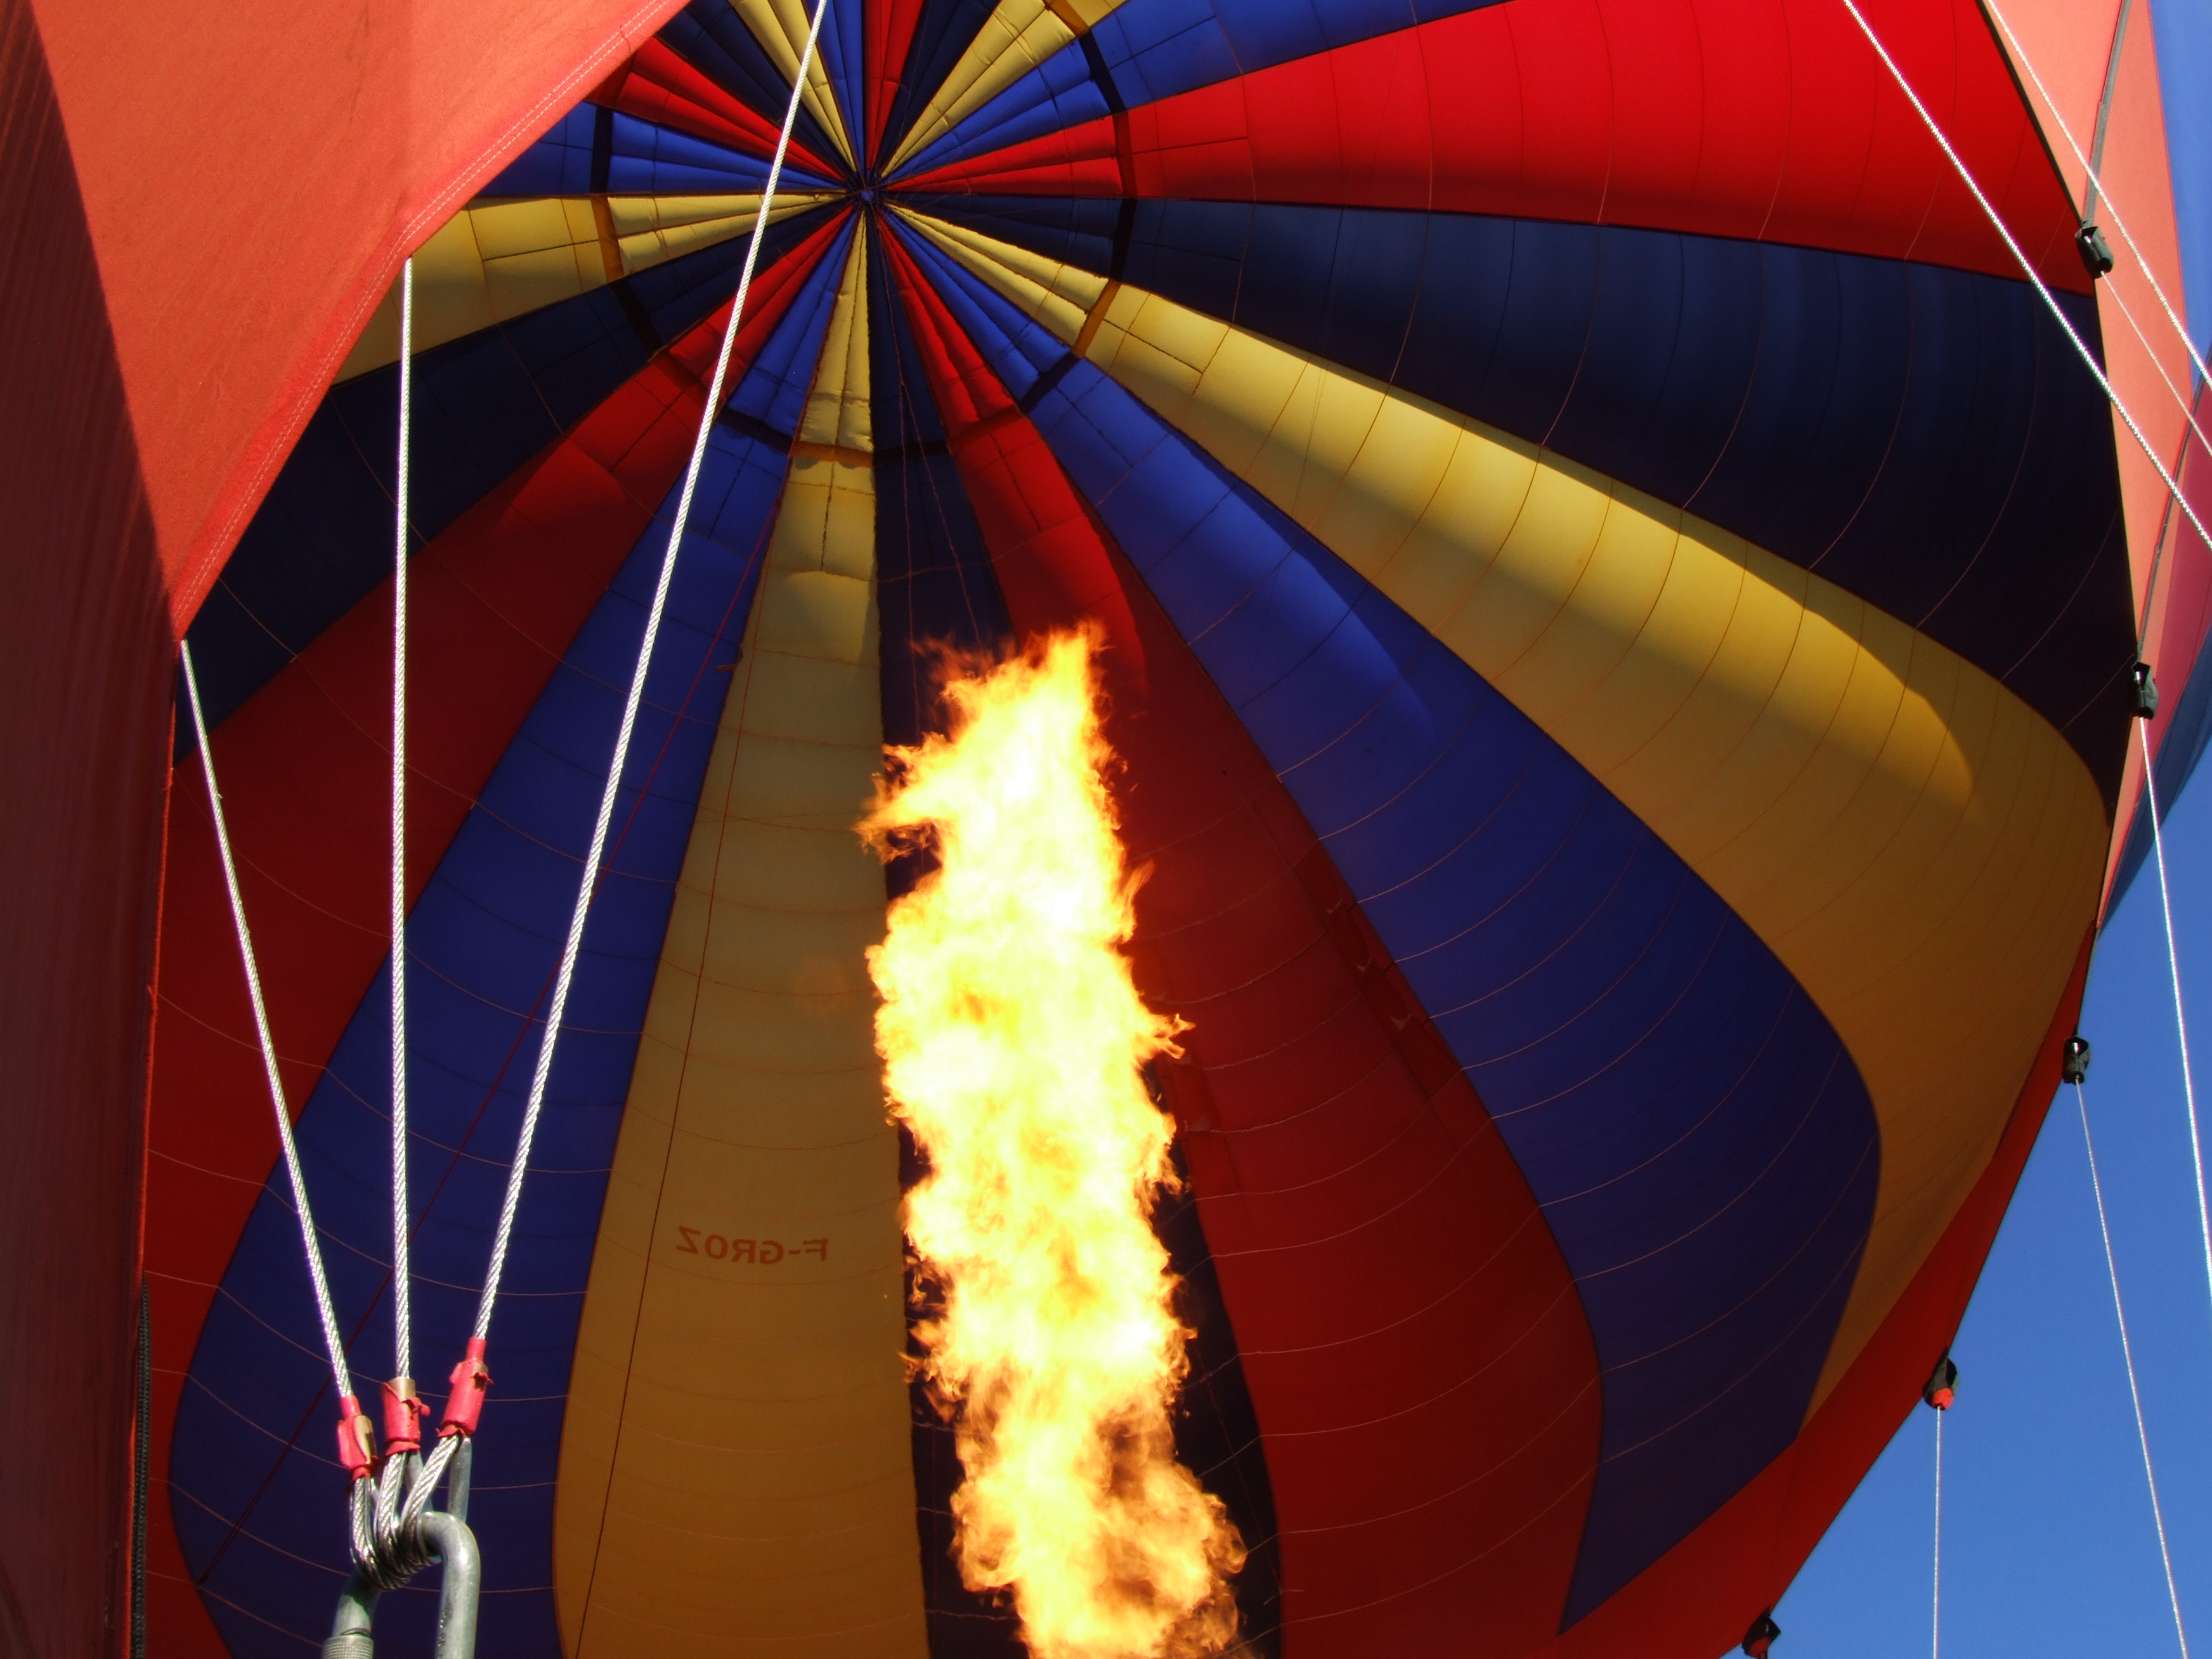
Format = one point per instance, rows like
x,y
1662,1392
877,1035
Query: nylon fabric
x,y
1888,744
709,35
756,1114
781,28
596,149
1372,124
1621,761
489,405
498,261
1980,509
1374,735
497,603
661,85
1020,35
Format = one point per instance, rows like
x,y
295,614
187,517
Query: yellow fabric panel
x,y
837,414
500,259
1061,296
1014,39
780,27
736,1469
1920,848
651,230
489,262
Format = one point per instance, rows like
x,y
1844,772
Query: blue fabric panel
x,y
656,161
934,584
773,391
1062,92
593,149
484,405
711,36
558,164
484,936
1924,437
1704,1148
1154,49
1074,229
2183,33
941,35
843,48
1019,350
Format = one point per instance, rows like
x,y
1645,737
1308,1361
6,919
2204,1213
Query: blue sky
x,y
2048,1542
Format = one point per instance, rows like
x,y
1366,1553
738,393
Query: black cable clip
x,y
1761,1635
2074,1062
2145,690
2096,252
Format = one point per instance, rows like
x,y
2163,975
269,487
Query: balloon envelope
x,y
1619,596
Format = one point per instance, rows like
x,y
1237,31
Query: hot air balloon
x,y
1622,596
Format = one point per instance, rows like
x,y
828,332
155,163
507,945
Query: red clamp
x,y
356,1438
1943,1386
466,1404
403,1417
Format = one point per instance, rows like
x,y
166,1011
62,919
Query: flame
x,y
1012,1034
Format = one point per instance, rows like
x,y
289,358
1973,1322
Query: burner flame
x,y
1012,1037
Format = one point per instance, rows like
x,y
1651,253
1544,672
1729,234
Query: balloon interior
x,y
1490,654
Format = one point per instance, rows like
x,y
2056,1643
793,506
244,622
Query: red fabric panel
x,y
1049,551
966,389
2167,558
494,603
85,659
1727,118
252,173
659,85
1413,1345
1411,1340
1696,1600
890,27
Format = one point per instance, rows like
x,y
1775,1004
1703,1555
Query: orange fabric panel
x,y
252,173
2067,43
2147,367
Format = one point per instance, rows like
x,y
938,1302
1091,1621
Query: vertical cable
x,y
1997,222
503,1235
2128,1356
2097,184
402,1368
1935,1611
2180,1019
307,1241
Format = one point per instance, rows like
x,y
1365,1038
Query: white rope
x,y
2081,349
2127,1356
382,1547
1936,1611
402,1367
307,1241
2113,208
2180,1019
2181,401
558,1008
